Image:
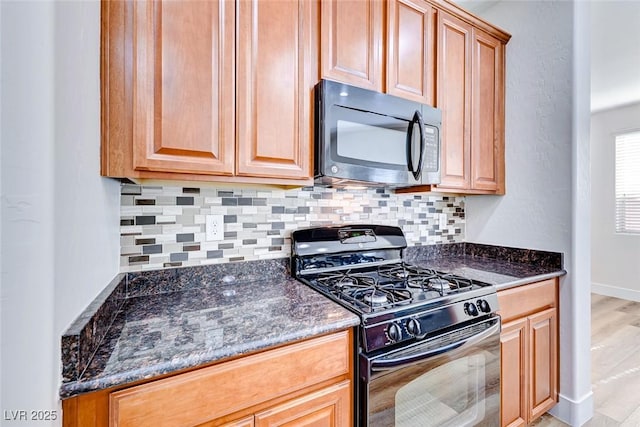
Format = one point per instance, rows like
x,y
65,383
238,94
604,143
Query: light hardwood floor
x,y
615,364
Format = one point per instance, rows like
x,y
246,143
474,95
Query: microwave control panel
x,y
431,154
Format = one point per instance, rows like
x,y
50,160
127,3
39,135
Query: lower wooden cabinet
x,y
244,422
514,366
529,352
308,383
327,407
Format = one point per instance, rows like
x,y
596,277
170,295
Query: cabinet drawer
x,y
527,299
199,396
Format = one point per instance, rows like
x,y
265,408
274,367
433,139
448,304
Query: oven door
x,y
449,380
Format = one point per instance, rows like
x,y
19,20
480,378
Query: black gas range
x,y
410,314
361,268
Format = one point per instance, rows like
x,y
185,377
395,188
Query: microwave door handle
x,y
417,119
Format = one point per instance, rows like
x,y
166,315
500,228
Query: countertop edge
x,y
73,389
529,280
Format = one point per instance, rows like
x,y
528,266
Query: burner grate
x,y
365,290
388,286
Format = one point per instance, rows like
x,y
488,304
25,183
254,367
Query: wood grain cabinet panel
x,y
245,422
487,132
351,42
183,86
513,368
182,98
471,95
275,86
328,407
454,99
205,394
411,50
529,352
544,363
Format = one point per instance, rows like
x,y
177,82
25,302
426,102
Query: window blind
x,y
628,182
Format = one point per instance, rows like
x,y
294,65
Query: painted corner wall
x,y
546,205
615,267
535,212
59,218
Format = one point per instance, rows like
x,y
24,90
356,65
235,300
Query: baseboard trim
x,y
616,292
574,412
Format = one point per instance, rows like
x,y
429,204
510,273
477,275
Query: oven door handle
x,y
393,363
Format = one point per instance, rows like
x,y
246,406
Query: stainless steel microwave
x,y
367,138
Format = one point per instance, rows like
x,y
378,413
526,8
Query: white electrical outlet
x,y
442,221
214,227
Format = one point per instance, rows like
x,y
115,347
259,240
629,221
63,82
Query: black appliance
x,y
367,138
428,344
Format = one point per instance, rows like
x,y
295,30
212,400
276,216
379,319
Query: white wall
x,y
59,218
615,60
615,268
546,205
27,207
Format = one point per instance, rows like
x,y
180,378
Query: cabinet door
x,y
487,135
328,407
454,98
411,50
543,367
183,86
276,74
351,42
513,371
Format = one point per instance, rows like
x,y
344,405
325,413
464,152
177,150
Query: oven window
x,y
464,391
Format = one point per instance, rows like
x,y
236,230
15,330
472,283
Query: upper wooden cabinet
x,y
183,86
276,75
432,52
487,121
183,99
411,50
471,96
454,99
222,90
352,40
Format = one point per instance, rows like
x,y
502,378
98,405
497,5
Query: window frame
x,y
620,226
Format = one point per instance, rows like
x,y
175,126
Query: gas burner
x,y
379,297
440,284
393,272
375,298
405,271
343,282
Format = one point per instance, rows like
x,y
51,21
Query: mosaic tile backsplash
x,y
165,226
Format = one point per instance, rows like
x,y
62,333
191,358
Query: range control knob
x,y
483,306
413,327
394,332
470,309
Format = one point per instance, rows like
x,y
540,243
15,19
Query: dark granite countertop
x,y
500,266
153,323
170,320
